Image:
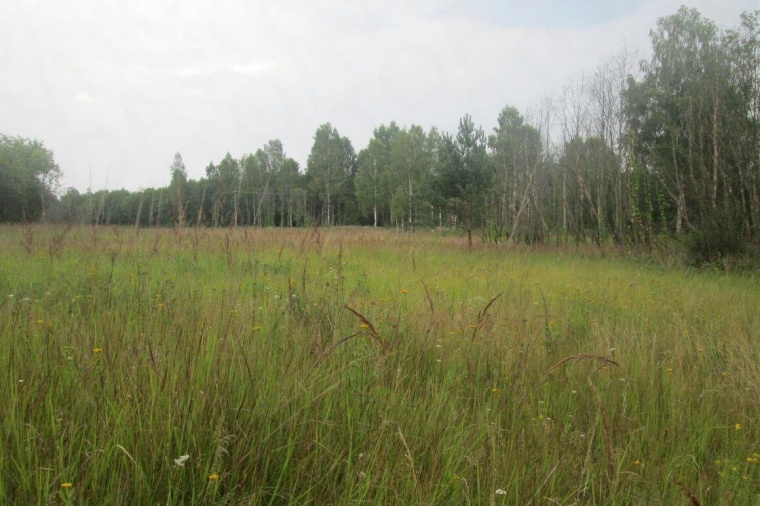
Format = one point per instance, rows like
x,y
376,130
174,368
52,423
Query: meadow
x,y
361,366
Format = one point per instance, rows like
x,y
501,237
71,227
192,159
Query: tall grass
x,y
349,366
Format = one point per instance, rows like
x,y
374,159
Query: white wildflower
x,y
500,491
181,461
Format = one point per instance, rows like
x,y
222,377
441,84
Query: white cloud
x,y
248,68
86,98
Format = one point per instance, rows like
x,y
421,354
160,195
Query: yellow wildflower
x,y
738,426
97,350
213,477
67,485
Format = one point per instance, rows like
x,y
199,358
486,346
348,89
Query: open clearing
x,y
348,366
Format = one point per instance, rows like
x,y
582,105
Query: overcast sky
x,y
116,88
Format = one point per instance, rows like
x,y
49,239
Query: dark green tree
x,y
331,168
288,180
464,174
29,178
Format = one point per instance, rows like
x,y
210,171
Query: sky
x,y
116,88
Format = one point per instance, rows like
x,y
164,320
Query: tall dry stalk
x,y
482,317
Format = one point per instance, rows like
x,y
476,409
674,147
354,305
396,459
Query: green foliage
x,y
288,181
178,188
694,126
464,173
331,164
373,178
720,236
586,160
411,168
29,177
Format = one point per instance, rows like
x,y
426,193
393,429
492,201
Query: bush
x,y
720,235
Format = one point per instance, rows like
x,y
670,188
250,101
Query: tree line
x,y
630,153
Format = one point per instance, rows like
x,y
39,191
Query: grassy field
x,y
355,366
